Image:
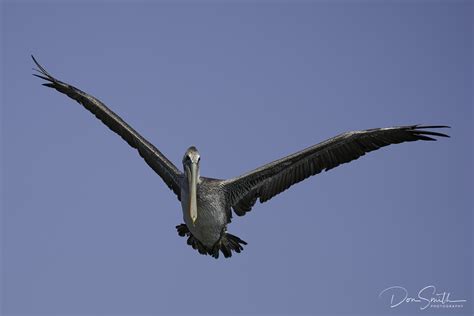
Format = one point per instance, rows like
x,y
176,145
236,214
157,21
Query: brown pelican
x,y
207,203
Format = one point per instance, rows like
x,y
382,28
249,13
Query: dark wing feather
x,y
267,181
153,157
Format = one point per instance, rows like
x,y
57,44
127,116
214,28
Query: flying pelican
x,y
206,203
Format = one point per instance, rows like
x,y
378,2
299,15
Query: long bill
x,y
192,184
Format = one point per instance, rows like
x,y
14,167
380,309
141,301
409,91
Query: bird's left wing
x,y
153,157
267,181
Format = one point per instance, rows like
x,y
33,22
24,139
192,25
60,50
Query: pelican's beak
x,y
192,182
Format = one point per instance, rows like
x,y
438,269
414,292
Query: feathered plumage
x,y
207,203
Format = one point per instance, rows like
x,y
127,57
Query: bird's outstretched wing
x,y
153,157
267,181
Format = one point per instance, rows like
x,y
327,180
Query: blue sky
x,y
89,229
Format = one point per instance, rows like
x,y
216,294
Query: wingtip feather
x,y
419,126
42,77
41,68
420,130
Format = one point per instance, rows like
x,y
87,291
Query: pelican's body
x,y
213,211
207,203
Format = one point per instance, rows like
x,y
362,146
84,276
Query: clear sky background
x,y
89,229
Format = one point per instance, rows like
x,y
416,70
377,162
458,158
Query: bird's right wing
x,y
265,182
153,157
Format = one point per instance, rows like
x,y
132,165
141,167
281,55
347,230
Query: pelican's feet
x,y
192,241
227,244
183,230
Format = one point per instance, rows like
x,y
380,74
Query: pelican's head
x,y
191,156
191,171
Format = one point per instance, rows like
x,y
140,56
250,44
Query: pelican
x,y
207,203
